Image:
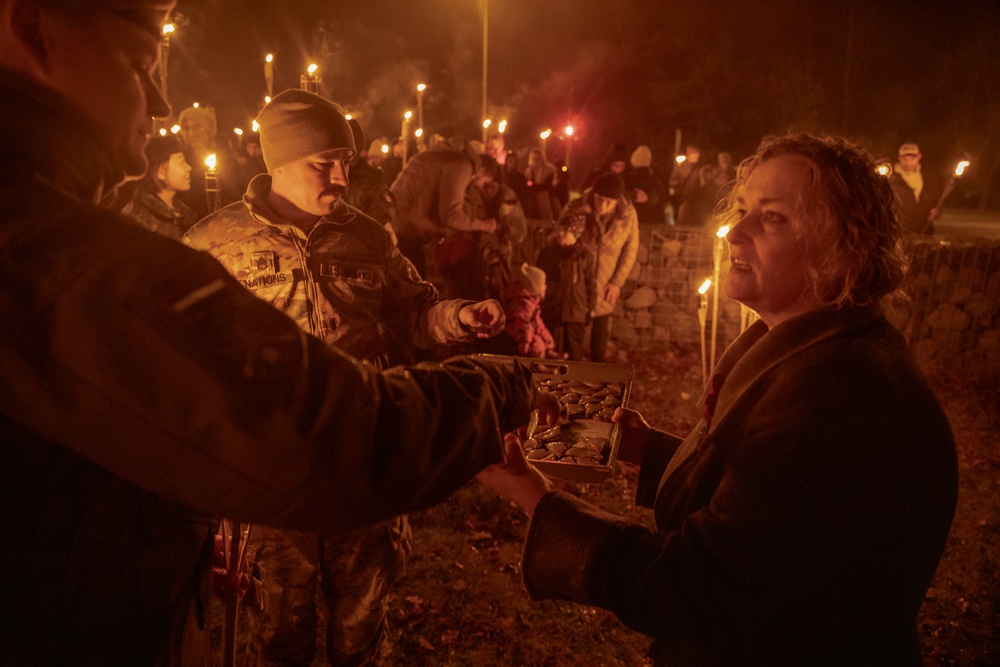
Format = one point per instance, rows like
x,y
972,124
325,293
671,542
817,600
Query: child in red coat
x,y
523,308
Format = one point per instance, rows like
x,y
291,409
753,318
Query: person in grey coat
x,y
801,522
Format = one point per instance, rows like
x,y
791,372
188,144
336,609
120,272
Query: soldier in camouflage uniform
x,y
296,244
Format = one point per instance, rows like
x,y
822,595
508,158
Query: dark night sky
x,y
725,72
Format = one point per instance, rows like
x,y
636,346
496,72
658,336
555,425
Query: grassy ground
x,y
462,602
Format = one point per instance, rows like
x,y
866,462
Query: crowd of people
x,y
176,354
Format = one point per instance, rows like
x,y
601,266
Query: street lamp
x,y
405,135
168,29
486,13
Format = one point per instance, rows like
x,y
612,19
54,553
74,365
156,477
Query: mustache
x,y
335,189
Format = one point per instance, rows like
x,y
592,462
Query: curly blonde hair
x,y
854,244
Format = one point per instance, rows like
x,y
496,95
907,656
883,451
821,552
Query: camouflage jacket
x,y
153,213
342,281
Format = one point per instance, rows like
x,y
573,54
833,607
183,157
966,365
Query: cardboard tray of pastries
x,y
583,445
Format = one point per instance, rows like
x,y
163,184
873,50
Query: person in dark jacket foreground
x,y
146,393
802,520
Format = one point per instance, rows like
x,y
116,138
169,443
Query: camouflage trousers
x,y
354,572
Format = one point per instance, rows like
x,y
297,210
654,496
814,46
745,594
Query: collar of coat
x,y
256,201
44,134
758,349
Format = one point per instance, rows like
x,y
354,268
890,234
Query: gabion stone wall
x,y
951,318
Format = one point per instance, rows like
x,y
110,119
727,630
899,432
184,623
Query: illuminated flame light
x,y
255,126
681,158
348,116
195,105
421,87
210,162
385,148
502,127
419,132
545,134
960,169
267,100
163,131
168,28
175,129
883,170
312,68
487,123
723,230
569,130
269,58
705,285
238,131
408,115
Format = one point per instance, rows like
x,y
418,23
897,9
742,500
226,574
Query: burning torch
x,y
949,186
212,185
702,315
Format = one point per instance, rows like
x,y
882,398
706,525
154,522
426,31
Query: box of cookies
x,y
583,445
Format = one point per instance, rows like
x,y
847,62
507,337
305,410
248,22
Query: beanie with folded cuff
x,y
609,185
531,278
297,124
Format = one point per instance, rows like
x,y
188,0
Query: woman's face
x,y
768,241
175,174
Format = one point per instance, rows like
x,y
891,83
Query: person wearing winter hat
x,y
523,306
154,204
354,286
644,187
612,234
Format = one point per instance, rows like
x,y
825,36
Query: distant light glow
x,y
348,116
175,129
255,126
408,115
168,28
960,169
210,162
421,87
419,133
487,123
312,68
546,134
385,148
883,169
681,158
269,58
163,131
502,127
267,99
238,131
705,285
569,130
723,230
195,105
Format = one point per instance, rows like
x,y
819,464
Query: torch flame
x,y
385,148
269,58
419,133
883,170
705,285
312,68
681,158
174,129
545,134
487,123
961,167
723,230
163,131
502,127
421,87
168,28
569,130
238,131
408,115
210,161
255,126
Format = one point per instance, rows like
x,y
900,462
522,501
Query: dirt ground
x,y
462,601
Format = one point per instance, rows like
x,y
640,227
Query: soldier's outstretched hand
x,y
484,318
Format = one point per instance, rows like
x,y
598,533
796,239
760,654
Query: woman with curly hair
x,y
801,522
